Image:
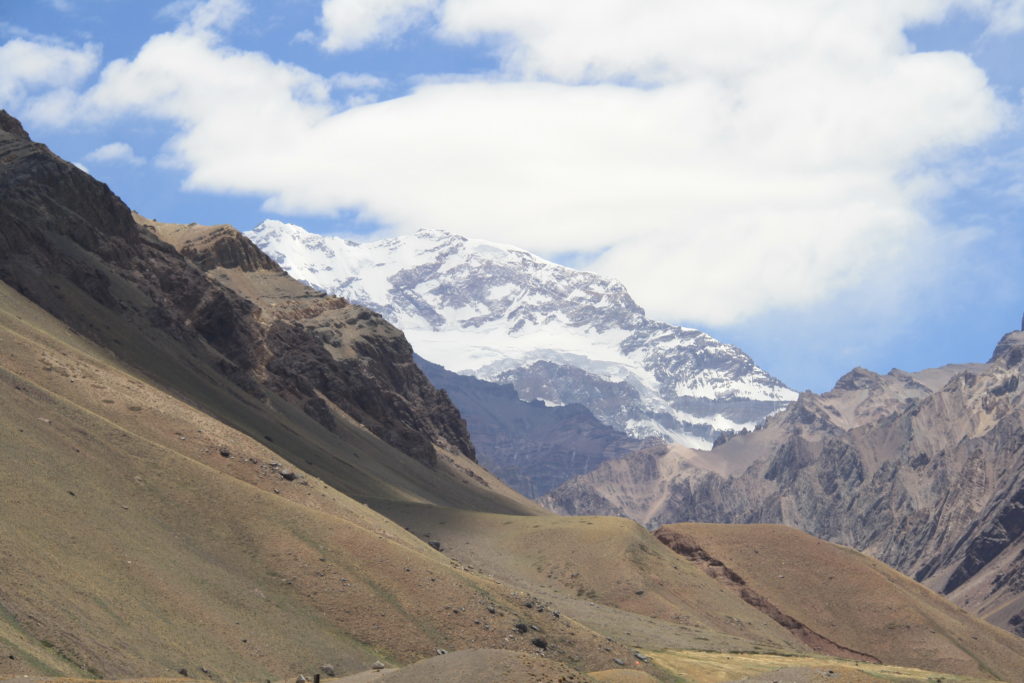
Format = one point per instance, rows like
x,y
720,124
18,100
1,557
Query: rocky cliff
x,y
73,247
924,471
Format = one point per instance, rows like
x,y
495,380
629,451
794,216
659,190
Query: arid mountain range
x,y
212,472
924,471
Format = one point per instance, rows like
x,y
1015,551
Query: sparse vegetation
x,y
229,530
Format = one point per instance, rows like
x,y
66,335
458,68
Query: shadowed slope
x,y
140,536
350,405
531,446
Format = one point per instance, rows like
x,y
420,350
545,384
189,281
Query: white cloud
x,y
35,64
115,152
1007,16
82,167
722,159
205,15
664,41
347,81
353,24
305,36
360,100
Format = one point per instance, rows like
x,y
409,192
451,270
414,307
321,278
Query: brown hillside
x,y
608,572
847,599
210,471
321,371
140,536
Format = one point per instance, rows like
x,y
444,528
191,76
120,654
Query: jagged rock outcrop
x,y
220,247
924,471
70,245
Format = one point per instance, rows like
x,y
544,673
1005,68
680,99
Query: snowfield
x,y
498,312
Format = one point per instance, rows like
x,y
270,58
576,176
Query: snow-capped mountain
x,y
557,334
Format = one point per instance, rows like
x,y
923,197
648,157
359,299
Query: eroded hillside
x,y
923,471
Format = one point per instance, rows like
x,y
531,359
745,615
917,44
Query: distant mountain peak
x,y
440,233
1010,349
557,334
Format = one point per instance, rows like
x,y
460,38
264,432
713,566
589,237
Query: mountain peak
x,y
858,378
1010,349
270,225
558,334
439,233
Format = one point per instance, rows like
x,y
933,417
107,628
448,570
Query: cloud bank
x,y
721,159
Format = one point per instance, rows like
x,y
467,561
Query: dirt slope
x,y
484,666
848,599
608,572
132,545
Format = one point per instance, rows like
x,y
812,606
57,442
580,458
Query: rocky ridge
x,y
921,470
67,236
558,335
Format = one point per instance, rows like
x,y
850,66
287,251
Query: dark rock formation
x,y
70,245
223,247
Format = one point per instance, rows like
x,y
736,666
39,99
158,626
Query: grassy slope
x,y
129,543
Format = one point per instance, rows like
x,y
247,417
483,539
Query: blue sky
x,y
823,183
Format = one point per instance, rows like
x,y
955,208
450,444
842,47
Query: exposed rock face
x,y
531,446
74,248
557,334
923,470
221,247
11,125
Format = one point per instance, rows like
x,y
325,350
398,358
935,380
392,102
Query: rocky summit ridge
x,y
558,335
